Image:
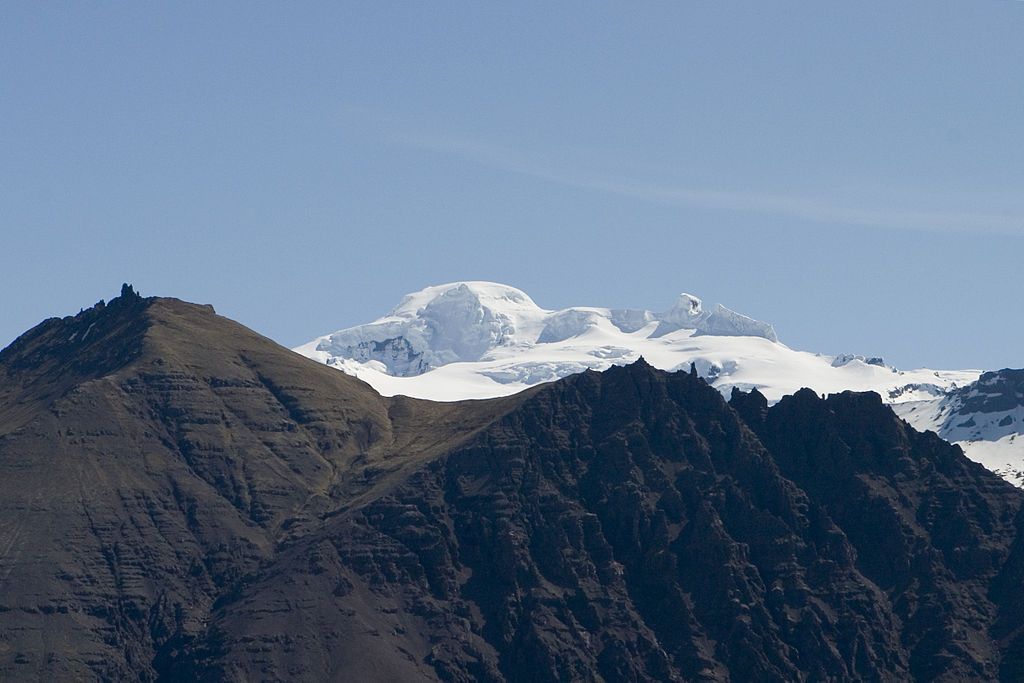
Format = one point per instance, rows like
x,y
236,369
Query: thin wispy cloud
x,y
821,210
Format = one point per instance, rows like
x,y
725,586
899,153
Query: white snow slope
x,y
985,418
482,339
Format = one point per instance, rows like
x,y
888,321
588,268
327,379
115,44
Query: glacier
x,y
477,339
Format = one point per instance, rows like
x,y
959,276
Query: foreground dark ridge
x,y
181,497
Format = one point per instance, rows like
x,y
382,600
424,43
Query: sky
x,y
850,172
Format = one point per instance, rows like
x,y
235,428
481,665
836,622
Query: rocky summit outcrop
x,y
181,498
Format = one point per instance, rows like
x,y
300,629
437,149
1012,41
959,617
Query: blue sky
x,y
850,172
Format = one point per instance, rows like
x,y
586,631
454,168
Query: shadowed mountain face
x,y
180,497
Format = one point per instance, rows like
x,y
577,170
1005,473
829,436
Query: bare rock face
x,y
181,498
931,529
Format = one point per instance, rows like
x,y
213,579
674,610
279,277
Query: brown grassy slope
x,y
153,454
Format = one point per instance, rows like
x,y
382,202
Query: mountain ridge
x,y
209,505
207,440
516,344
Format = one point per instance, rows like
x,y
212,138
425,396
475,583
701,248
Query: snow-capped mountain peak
x,y
478,339
451,323
460,297
686,311
475,321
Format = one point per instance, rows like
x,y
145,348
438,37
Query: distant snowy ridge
x,y
483,339
985,418
476,321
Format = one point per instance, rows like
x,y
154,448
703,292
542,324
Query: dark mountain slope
x,y
623,526
181,498
930,527
153,455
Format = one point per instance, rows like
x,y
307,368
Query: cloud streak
x,y
796,207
